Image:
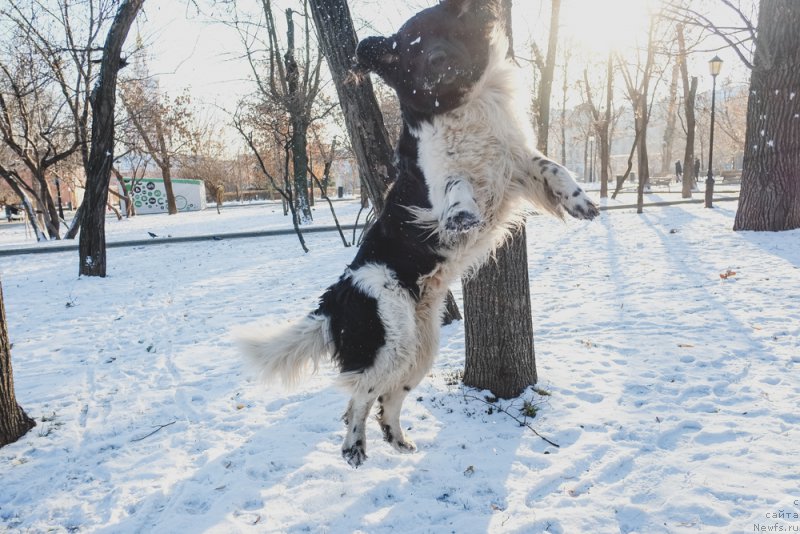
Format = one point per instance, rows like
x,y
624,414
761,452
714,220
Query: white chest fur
x,y
469,157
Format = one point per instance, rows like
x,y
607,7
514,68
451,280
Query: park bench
x,y
662,180
731,177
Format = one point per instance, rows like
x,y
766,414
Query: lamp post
x,y
715,65
591,159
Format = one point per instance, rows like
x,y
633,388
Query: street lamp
x,y
591,159
714,66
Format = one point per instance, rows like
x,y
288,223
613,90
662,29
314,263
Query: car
x,y
13,213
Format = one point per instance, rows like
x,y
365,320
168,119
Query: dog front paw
x,y
462,222
580,206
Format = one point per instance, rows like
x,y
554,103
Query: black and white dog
x,y
466,161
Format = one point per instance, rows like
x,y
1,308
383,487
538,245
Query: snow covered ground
x,y
672,391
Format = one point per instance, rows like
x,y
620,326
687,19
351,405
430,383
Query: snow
x,y
416,41
667,349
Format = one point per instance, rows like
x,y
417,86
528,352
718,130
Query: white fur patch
x,y
284,353
396,309
488,143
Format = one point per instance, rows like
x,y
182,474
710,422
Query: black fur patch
x,y
431,62
356,328
387,433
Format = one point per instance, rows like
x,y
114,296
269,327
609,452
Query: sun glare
x,y
599,26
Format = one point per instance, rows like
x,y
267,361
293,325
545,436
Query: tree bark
x,y
92,242
602,124
498,330
299,143
166,167
362,115
14,422
605,135
689,99
546,83
770,194
671,119
299,120
643,165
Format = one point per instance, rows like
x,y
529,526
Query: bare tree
x,y
92,244
35,125
14,422
770,194
362,115
602,121
291,84
689,103
165,126
638,84
545,63
259,143
69,50
497,305
671,116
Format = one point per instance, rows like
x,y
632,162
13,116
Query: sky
x,y
187,50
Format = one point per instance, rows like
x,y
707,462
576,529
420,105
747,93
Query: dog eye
x,y
437,58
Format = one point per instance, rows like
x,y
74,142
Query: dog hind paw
x,y
405,446
355,455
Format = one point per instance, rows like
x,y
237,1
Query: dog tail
x,y
284,353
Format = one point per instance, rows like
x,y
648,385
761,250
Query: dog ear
x,y
377,54
458,7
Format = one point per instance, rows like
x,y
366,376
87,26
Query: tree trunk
x,y
689,99
669,129
564,93
92,242
770,195
643,166
166,167
14,422
166,175
689,171
299,143
605,134
27,205
499,329
546,84
298,117
362,115
47,206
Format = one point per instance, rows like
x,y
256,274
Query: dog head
x,y
437,56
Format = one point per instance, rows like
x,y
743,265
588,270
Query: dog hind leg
x,y
354,448
391,404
